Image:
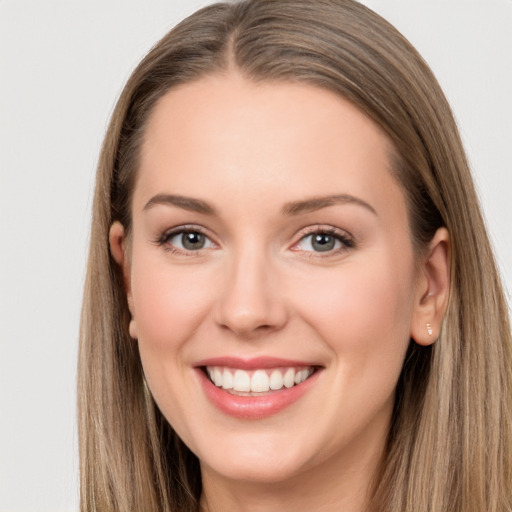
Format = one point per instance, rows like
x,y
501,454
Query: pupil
x,y
323,242
193,241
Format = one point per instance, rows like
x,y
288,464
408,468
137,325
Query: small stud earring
x,y
429,329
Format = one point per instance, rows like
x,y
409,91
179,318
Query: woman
x,y
302,309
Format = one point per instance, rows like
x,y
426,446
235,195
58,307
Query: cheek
x,y
362,310
168,303
362,316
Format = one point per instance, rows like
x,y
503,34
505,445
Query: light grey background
x,y
62,65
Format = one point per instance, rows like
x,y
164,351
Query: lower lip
x,y
254,407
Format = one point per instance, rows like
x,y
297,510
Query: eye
x,y
324,241
186,240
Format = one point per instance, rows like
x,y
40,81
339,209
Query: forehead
x,y
227,134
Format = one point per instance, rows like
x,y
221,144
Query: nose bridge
x,y
251,301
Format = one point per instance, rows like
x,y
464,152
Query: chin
x,y
260,471
263,462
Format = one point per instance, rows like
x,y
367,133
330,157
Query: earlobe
x,y
433,289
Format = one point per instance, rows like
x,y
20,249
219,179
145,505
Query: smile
x,y
253,383
255,389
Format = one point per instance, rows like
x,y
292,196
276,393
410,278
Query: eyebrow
x,y
187,203
316,203
292,208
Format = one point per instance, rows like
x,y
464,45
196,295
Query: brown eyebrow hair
x,y
187,203
316,203
292,208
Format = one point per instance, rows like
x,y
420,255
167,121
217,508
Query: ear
x,y
118,241
432,290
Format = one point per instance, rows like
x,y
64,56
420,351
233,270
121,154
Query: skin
x,y
258,287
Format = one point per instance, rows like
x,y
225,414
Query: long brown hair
x,y
449,445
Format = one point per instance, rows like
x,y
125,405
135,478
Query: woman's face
x,y
271,253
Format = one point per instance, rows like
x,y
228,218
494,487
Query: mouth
x,y
257,382
258,388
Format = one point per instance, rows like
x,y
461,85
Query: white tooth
x,y
289,378
227,380
301,376
276,380
209,369
259,381
241,381
217,377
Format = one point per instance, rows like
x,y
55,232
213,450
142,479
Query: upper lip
x,y
254,363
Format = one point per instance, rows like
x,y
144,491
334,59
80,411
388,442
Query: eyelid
x,y
168,234
346,239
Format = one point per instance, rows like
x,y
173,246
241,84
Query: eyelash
x,y
164,239
347,242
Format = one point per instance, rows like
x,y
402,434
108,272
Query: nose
x,y
251,301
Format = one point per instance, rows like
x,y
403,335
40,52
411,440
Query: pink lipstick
x,y
255,388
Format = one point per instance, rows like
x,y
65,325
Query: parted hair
x,y
449,444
